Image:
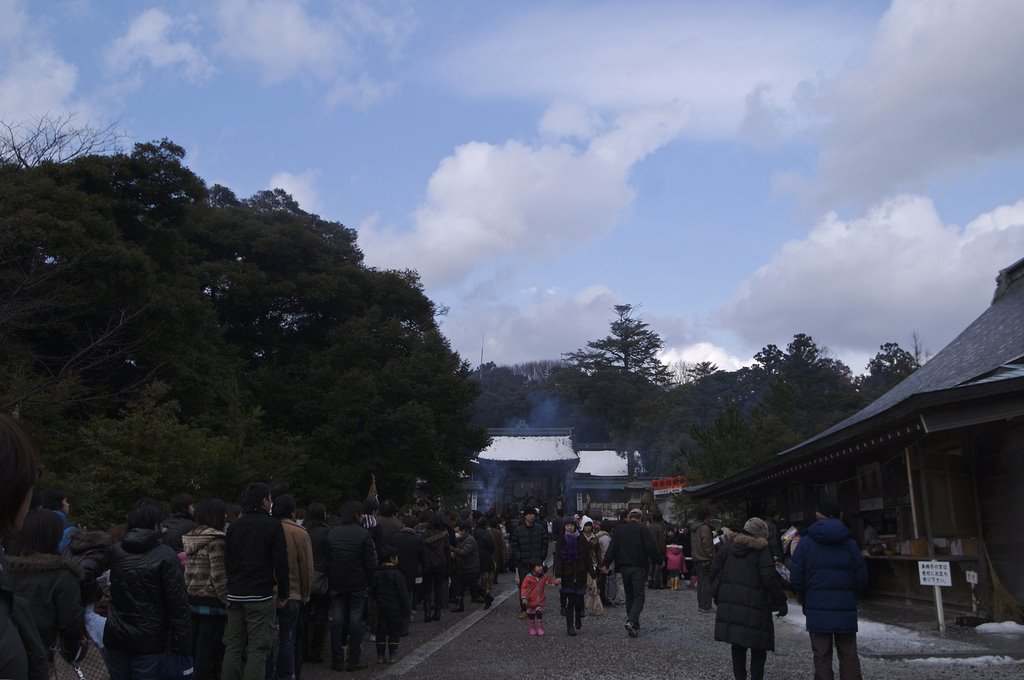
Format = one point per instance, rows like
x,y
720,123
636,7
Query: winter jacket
x,y
352,557
532,589
574,572
148,601
674,558
176,526
90,550
65,536
703,543
499,545
437,547
206,577
256,558
530,543
412,556
49,583
300,560
389,526
467,555
604,541
22,654
657,530
317,539
485,548
749,591
391,592
828,574
632,546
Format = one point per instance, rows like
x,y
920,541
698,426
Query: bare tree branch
x,y
54,137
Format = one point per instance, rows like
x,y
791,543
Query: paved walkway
x,y
676,641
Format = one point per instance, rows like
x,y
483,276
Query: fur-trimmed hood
x,y
40,562
745,543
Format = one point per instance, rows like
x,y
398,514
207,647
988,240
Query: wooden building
x,y
936,465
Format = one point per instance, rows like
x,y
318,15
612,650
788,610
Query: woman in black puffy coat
x,y
149,612
749,591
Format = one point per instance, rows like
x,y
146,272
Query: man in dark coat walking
x,y
633,551
828,574
749,590
353,560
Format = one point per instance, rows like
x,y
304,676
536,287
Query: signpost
x,y
936,574
972,578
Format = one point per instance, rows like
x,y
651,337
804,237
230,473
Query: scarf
x,y
570,551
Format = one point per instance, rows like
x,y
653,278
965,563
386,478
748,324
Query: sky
x,y
741,172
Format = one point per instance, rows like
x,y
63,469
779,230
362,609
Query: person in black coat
x,y
393,604
48,582
749,591
353,559
437,544
149,612
633,550
412,560
486,548
22,654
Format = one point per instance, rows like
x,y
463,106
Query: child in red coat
x,y
675,562
531,593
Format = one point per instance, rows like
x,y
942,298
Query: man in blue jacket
x,y
828,573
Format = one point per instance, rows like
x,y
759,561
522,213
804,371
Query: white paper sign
x,y
972,576
934,573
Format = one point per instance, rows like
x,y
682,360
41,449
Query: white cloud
x,y
704,351
938,90
854,284
148,40
290,41
486,203
544,325
568,119
301,186
34,79
625,55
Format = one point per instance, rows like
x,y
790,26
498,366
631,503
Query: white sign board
x,y
934,573
972,577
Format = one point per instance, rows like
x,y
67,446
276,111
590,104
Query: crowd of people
x,y
259,589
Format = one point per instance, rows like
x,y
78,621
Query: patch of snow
x,y
602,464
972,661
1002,628
529,449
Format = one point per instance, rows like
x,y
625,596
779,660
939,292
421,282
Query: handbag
x,y
90,664
320,583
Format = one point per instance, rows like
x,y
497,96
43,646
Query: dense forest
x,y
158,335
694,420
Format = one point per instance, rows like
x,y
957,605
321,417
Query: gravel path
x,y
676,641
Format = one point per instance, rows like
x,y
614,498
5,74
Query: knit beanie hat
x,y
756,527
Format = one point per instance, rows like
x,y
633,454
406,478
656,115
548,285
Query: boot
x,y
488,600
579,617
540,627
427,616
569,628
460,605
533,627
437,614
675,583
